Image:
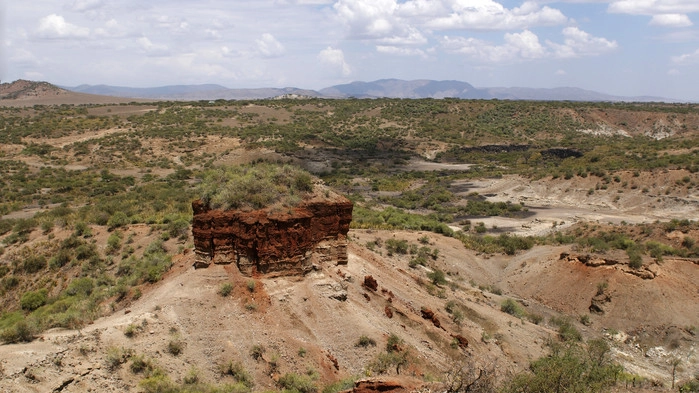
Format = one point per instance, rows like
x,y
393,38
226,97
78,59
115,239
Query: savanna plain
x,y
495,246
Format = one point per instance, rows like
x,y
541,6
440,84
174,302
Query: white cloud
x,y
561,73
111,29
578,43
303,2
34,75
400,51
491,15
670,20
212,33
653,7
55,26
525,46
22,55
268,46
372,19
392,24
517,47
673,72
410,36
687,58
156,50
369,19
86,5
335,58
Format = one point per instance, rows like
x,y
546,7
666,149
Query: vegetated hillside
x,y
24,90
22,93
470,202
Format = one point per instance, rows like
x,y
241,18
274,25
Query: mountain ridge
x,y
381,88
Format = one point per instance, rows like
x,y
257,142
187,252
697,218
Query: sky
x,y
620,47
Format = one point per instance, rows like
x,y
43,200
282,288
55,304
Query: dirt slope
x,y
303,322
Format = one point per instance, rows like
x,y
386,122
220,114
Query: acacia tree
x,y
571,367
467,377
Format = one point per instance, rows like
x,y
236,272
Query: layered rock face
x,y
273,241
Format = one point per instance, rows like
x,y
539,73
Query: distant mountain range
x,y
391,88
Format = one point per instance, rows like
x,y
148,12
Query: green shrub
x,y
82,229
394,342
158,382
9,282
113,243
86,251
419,260
192,376
394,246
297,383
34,264
81,286
570,368
18,332
257,351
238,372
140,364
386,360
225,289
255,186
340,386
535,318
175,347
60,259
688,242
115,357
118,220
511,244
365,341
131,330
566,330
457,317
32,300
585,320
178,228
635,257
437,277
512,307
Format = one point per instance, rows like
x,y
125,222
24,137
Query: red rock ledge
x,y
275,241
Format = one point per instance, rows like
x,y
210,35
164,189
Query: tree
x,y
465,377
570,367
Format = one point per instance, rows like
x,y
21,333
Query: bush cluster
x,y
254,186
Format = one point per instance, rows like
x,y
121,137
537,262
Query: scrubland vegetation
x,y
64,179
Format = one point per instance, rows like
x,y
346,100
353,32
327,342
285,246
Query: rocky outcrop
x,y
646,272
371,283
378,385
273,241
599,303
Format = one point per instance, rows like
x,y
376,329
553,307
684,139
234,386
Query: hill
x,y
192,92
29,93
386,88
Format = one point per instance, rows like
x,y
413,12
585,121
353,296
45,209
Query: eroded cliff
x,y
274,241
